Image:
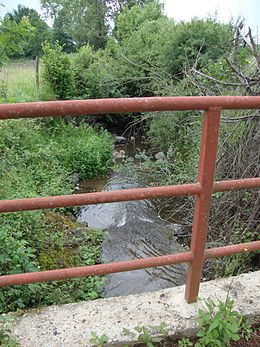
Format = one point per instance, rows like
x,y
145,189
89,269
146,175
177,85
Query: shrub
x,y
57,72
81,150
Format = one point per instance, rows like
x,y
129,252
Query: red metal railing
x,y
203,189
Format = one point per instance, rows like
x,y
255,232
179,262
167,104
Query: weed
x,y
98,340
246,330
5,334
144,336
219,324
185,342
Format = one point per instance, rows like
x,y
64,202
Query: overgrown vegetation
x,y
38,158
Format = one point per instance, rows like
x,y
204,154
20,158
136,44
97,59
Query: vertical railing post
x,y
207,161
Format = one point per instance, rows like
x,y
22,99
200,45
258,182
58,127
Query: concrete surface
x,y
72,324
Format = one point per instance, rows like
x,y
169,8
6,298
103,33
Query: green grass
x,y
18,83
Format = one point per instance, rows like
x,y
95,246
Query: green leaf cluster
x,y
218,323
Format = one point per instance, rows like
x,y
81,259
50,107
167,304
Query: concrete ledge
x,y
72,324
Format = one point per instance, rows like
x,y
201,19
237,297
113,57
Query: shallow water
x,y
133,231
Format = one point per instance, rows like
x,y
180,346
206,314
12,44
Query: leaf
x,y
236,337
201,333
213,325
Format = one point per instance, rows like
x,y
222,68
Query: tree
x,y
87,21
82,20
207,40
59,34
40,34
132,18
13,37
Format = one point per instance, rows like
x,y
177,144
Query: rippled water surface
x,y
133,231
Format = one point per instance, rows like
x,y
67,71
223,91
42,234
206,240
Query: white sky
x,y
185,9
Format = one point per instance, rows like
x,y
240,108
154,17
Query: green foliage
x,y
137,59
98,340
38,160
126,68
3,90
185,342
5,339
60,35
13,37
219,324
83,20
33,47
95,74
131,19
57,72
245,331
199,40
88,158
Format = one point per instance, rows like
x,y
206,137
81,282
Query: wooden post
x,y
37,61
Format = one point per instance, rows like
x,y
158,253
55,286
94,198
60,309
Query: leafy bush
x,y
201,41
97,74
57,71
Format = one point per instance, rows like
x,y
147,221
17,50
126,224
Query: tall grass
x,y
18,83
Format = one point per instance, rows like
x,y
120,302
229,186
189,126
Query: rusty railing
x,y
202,189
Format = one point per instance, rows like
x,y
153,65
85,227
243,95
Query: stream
x,y
133,230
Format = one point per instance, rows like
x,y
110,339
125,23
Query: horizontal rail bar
x,y
29,204
93,270
222,186
123,105
103,269
232,249
97,198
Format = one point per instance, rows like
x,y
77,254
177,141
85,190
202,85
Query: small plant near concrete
x,y
5,334
144,336
219,324
185,342
98,341
147,337
246,330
